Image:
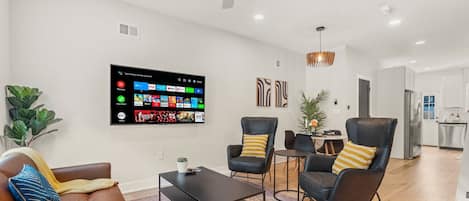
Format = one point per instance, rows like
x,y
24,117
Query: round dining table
x,y
329,142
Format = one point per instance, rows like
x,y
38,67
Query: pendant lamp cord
x,y
320,41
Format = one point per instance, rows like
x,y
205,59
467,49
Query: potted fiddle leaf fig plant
x,y
312,117
28,121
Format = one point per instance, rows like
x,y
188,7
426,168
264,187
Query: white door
x,y
430,119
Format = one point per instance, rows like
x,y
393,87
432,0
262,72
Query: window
x,y
428,107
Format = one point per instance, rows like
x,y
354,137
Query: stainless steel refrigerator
x,y
412,124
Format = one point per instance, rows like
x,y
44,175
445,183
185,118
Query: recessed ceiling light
x,y
427,68
395,22
258,17
413,61
420,42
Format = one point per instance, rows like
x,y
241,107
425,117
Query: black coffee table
x,y
206,185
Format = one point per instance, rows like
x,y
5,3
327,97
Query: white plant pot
x,y
182,167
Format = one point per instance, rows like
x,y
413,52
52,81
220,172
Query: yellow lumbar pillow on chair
x,y
354,156
254,145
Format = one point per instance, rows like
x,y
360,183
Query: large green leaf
x,y
18,132
15,102
42,119
23,96
23,91
22,114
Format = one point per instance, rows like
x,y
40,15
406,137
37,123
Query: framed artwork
x,y
264,91
281,93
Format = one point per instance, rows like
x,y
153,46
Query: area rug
x,y
268,196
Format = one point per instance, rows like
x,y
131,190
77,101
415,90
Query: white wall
x,y
4,55
65,48
390,103
341,81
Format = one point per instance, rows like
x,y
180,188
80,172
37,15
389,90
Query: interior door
x,y
430,119
363,98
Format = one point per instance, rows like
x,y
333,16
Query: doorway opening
x,y
364,89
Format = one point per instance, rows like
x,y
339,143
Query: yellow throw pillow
x,y
254,145
354,156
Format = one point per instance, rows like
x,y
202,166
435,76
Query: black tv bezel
x,y
151,123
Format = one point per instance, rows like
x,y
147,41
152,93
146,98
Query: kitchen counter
x,y
452,123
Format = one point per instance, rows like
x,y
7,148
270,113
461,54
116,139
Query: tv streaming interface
x,y
143,96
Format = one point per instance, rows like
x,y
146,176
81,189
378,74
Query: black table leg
x,y
298,185
263,196
287,171
159,188
274,173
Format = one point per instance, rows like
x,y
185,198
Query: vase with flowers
x,y
312,117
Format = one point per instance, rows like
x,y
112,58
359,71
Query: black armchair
x,y
253,165
320,183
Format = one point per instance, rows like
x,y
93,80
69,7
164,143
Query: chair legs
x,y
233,174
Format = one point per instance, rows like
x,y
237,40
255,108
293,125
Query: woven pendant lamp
x,y
321,58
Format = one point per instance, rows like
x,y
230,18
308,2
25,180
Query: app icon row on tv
x,y
154,116
145,86
168,101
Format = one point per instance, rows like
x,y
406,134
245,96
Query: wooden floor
x,y
431,177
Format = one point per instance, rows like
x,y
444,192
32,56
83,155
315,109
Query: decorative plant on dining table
x,y
311,111
28,123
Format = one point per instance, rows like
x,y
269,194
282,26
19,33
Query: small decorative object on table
x,y
314,124
182,164
191,171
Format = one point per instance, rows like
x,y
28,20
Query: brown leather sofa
x,y
12,165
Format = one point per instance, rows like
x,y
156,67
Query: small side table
x,y
293,154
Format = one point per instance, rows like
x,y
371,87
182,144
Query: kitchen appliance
x,y
412,124
452,134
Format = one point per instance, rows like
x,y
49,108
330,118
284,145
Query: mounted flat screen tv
x,y
145,96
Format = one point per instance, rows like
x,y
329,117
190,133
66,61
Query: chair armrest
x,y
363,184
234,151
89,171
319,163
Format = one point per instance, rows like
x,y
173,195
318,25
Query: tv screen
x,y
144,96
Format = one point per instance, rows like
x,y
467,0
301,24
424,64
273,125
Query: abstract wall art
x,y
281,93
264,91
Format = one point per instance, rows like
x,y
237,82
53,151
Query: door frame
x,y
359,77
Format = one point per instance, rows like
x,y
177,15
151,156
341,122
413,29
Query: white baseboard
x,y
139,185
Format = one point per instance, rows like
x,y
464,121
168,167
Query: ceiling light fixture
x,y
321,58
420,42
427,68
258,17
395,22
412,61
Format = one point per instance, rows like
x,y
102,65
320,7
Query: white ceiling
x,y
360,24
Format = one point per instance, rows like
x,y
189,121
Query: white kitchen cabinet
x,y
453,90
